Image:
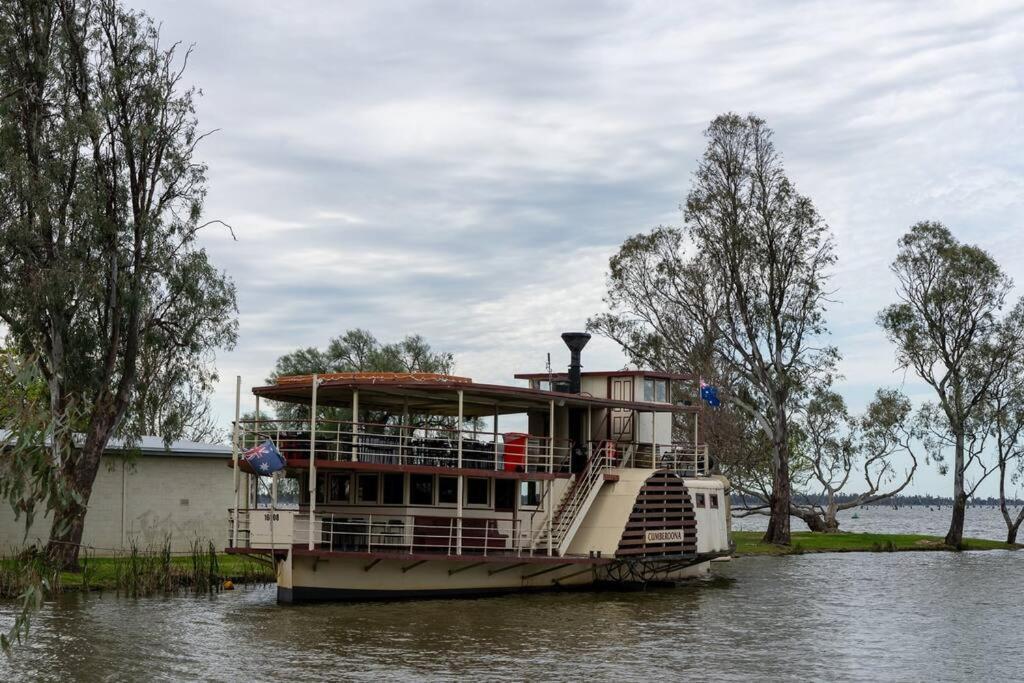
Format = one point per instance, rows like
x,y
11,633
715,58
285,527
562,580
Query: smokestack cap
x,y
575,340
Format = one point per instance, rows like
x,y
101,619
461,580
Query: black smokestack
x,y
575,341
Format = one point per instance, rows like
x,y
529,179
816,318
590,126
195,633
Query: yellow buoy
x,y
229,585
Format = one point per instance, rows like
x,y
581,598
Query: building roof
x,y
655,374
154,445
439,396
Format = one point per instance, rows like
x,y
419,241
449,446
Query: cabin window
x,y
393,489
421,489
542,384
713,497
505,495
339,490
366,487
656,390
478,491
447,490
529,494
699,501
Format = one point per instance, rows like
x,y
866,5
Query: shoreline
x,y
803,542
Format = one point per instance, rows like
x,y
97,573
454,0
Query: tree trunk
x,y
69,515
816,522
778,524
955,536
1011,533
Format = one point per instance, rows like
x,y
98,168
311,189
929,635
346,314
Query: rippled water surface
x,y
859,616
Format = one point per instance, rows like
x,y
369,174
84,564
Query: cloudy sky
x,y
464,170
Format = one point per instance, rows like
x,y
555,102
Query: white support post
x,y
696,434
495,436
590,434
459,487
551,470
355,425
312,461
234,457
403,431
654,440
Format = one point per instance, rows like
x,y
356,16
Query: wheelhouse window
x,y
478,491
656,390
339,490
447,490
393,489
713,498
529,494
366,487
699,500
421,489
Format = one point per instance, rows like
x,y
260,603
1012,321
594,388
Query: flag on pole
x,y
264,459
709,394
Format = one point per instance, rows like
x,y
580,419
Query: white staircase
x,y
574,507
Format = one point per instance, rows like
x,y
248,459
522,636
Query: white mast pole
x,y
312,461
461,479
355,425
234,456
551,469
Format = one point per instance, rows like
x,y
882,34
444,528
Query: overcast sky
x,y
464,170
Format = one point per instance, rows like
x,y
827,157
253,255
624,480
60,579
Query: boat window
x,y
505,495
656,390
699,502
331,487
367,488
478,491
393,489
713,497
421,489
447,490
529,494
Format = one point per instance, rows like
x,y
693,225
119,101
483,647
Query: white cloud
x,y
464,171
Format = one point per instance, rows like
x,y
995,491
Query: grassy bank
x,y
749,543
138,572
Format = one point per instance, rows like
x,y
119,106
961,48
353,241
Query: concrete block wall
x,y
142,500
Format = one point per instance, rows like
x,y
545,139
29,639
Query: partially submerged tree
x,y
739,296
101,205
948,329
838,451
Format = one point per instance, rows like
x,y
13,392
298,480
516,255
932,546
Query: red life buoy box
x,y
515,451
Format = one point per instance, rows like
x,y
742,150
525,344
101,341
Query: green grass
x,y
108,573
136,572
749,543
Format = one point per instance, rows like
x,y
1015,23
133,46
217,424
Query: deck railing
x,y
370,533
397,445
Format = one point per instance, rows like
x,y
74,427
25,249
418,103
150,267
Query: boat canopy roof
x,y
436,394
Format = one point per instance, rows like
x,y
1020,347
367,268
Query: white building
x,y
143,495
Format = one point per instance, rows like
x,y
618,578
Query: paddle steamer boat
x,y
409,488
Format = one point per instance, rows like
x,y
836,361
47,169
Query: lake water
x,y
980,522
856,616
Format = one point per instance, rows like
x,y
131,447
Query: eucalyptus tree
x,y
357,351
838,451
949,327
1004,417
738,295
102,200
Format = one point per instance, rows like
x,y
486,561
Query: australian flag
x,y
265,458
709,394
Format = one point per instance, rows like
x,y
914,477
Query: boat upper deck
x,y
438,395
